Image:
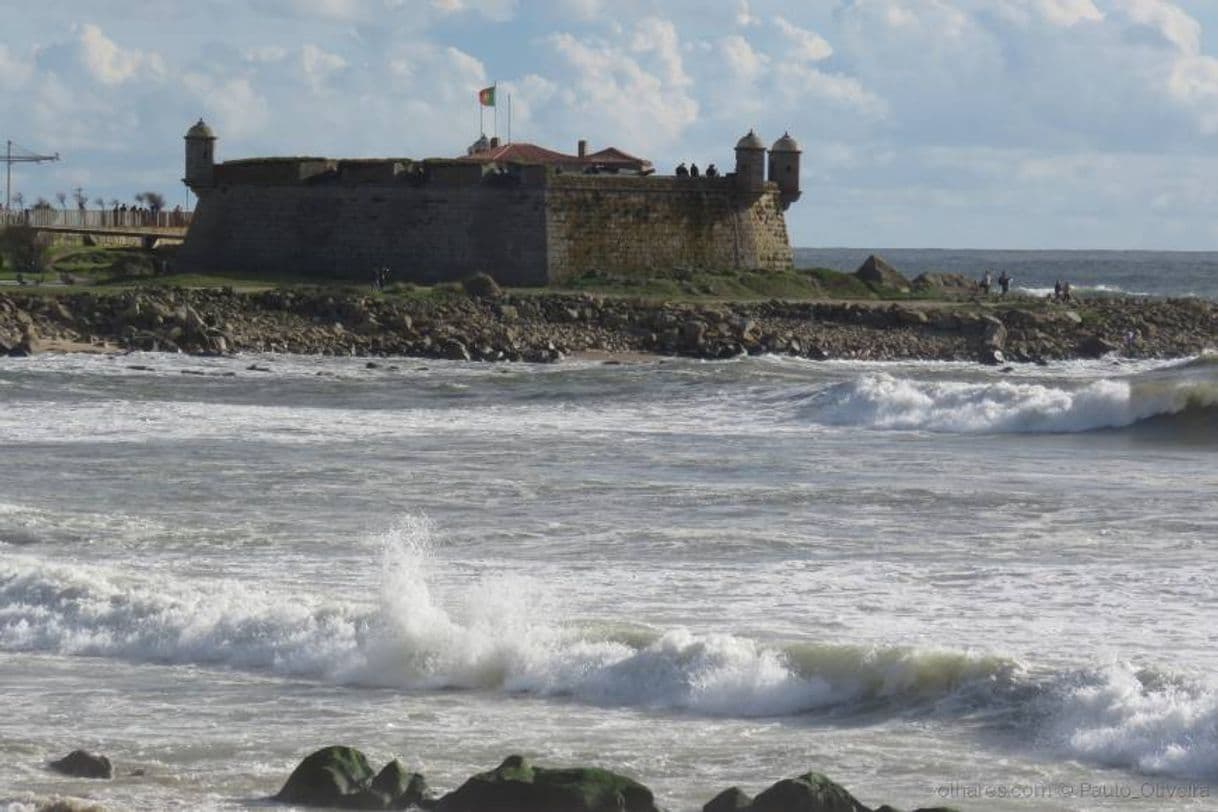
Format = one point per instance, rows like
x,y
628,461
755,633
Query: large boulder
x,y
482,286
732,799
83,764
877,274
328,777
994,333
1094,346
810,792
403,789
518,786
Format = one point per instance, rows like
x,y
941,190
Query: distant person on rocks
x,y
712,171
1004,282
986,282
1057,291
693,170
1066,297
682,170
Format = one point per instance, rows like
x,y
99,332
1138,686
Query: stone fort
x,y
523,214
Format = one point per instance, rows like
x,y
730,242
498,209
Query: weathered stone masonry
x,y
441,220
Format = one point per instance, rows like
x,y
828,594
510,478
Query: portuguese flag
x,y
486,96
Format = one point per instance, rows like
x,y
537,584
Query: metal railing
x,y
98,219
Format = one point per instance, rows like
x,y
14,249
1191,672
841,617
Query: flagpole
x,y
509,118
496,97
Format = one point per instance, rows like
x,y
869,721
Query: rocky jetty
x,y
484,323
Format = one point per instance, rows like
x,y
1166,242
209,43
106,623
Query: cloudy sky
x,y
946,123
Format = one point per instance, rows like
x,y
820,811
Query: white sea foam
x,y
887,401
1126,717
502,637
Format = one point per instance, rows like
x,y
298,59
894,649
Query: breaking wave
x,y
498,639
885,401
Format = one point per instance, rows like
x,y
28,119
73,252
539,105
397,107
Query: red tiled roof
x,y
526,153
613,155
520,152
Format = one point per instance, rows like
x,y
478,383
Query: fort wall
x,y
425,234
638,224
443,221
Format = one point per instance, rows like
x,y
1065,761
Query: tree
x,y
19,199
42,204
63,200
82,199
153,200
100,202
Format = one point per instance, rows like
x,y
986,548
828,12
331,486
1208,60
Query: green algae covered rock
x,y
810,792
518,786
402,789
327,777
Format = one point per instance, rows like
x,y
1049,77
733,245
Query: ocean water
x,y
1112,273
934,582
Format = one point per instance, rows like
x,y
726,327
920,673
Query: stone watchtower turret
x,y
750,162
784,168
200,157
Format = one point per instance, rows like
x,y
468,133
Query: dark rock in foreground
x,y
518,786
732,799
83,764
341,777
402,789
810,792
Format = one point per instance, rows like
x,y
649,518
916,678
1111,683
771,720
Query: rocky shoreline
x,y
341,777
483,323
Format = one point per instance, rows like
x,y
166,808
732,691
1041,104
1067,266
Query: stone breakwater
x,y
543,327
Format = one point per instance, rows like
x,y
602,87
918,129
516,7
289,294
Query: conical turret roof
x,y
200,130
750,141
785,144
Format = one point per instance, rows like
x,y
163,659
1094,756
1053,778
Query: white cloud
x,y
745,16
1069,12
112,65
319,66
633,90
742,60
1168,19
806,85
806,45
491,9
234,107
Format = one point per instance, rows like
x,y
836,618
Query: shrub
x,y
25,249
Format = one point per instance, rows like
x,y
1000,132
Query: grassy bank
x,y
105,269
